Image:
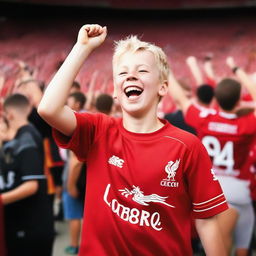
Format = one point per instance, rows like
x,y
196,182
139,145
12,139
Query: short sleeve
x,y
88,129
31,164
204,188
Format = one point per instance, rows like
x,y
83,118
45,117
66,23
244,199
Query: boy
x,y
137,203
27,208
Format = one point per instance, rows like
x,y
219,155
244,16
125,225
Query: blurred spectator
x,y
228,140
74,184
204,94
23,190
176,117
76,87
104,103
33,90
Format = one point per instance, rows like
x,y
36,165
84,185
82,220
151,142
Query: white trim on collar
x,y
228,115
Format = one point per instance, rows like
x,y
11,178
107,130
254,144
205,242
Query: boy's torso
x,y
137,193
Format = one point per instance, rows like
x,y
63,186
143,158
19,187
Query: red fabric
x,y
250,165
228,139
132,207
2,240
247,97
211,82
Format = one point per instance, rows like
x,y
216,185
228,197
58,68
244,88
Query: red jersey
x,y
227,138
250,165
141,188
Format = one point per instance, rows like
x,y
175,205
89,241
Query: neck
x,y
146,124
15,125
232,111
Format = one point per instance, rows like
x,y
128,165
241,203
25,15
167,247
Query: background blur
x,y
42,32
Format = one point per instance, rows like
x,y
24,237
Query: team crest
x,y
171,169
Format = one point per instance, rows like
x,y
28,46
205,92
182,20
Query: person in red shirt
x,y
228,139
145,177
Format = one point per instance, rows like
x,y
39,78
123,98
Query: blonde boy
x,y
145,177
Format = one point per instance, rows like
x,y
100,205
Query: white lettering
x,y
171,184
106,195
222,155
134,215
10,180
155,221
222,127
115,206
125,213
144,218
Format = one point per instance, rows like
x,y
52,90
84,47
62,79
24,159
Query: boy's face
x,y
137,83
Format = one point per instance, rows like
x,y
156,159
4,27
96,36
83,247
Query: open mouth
x,y
133,91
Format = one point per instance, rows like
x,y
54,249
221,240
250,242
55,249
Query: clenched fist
x,y
92,35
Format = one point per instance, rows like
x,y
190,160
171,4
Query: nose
x,y
131,77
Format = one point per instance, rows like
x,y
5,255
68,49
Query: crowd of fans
x,y
36,175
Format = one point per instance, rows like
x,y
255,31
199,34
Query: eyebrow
x,y
137,66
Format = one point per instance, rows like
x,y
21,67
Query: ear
x,y
163,88
9,115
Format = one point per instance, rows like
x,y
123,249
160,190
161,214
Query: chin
x,y
134,111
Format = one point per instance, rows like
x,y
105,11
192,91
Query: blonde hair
x,y
133,44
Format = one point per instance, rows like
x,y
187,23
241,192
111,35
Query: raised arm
x,y
195,70
208,68
52,107
177,93
243,77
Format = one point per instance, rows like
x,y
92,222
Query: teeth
x,y
132,88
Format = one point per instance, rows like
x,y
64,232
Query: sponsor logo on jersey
x,y
222,127
139,197
116,161
171,169
133,215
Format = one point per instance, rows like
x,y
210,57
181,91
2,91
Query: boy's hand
x,y
92,35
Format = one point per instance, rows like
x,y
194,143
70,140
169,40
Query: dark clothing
x,y
52,155
176,118
28,222
2,236
81,183
43,127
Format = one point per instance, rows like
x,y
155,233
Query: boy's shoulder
x,y
188,139
97,118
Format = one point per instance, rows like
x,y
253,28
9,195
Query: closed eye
x,y
143,71
122,73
